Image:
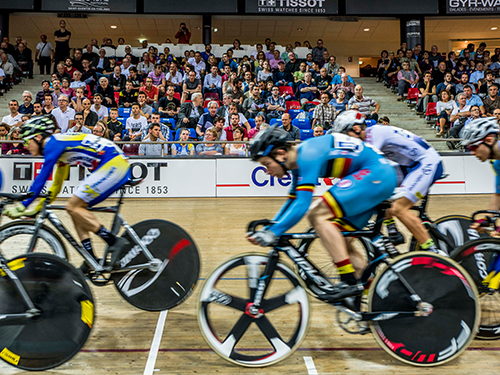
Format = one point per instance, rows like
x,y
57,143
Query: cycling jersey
x,y
367,180
422,161
108,163
496,168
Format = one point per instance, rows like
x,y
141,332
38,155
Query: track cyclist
x,y
367,180
481,137
108,164
421,164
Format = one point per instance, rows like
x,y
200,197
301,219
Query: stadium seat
x,y
294,112
306,134
117,97
212,96
170,136
123,120
177,95
413,95
431,112
276,121
205,109
131,149
292,105
192,134
286,90
370,122
251,121
302,123
171,121
205,103
124,112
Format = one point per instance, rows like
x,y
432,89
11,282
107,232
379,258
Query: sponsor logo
x,y
427,169
220,298
472,6
344,184
360,174
260,178
308,271
288,6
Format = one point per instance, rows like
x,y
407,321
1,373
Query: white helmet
x,y
346,120
477,130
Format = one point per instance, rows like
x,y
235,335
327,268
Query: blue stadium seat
x,y
302,123
171,136
192,134
251,121
206,110
170,121
276,121
124,112
123,120
306,134
294,113
370,122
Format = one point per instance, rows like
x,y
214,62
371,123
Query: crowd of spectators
x,y
452,89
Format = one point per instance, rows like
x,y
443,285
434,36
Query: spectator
x,y
145,109
492,102
464,81
473,99
89,75
15,118
64,115
435,57
340,102
219,128
254,105
338,78
309,59
445,107
381,65
174,77
190,112
68,66
234,123
486,82
317,52
427,90
412,61
117,80
150,91
242,121
447,84
153,149
236,91
77,100
324,114
364,103
478,74
27,106
439,73
107,93
238,149
116,127
65,89
293,64
463,109
259,121
61,72
213,82
426,64
191,86
136,123
276,105
273,63
480,52
212,61
101,63
78,126
323,81
183,148
198,64
461,68
47,100
101,130
282,77
293,131
7,66
207,53
270,52
496,113
384,120
127,96
183,34
157,77
125,67
391,68
451,63
406,78
44,54
207,119
227,100
265,73
168,105
90,117
318,131
4,131
307,90
62,37
89,53
332,67
77,81
14,148
136,79
344,85
209,148
78,59
101,111
226,61
24,58
288,49
145,67
298,76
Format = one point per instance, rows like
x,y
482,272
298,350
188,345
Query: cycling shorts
x,y
417,182
104,181
354,198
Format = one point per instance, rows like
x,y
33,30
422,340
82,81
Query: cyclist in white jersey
x,y
421,164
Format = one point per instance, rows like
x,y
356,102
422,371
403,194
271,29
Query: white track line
x,y
311,369
155,345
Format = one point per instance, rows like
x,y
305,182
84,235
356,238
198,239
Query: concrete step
x,y
33,85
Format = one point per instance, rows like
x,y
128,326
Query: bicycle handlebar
x,y
496,214
252,226
16,197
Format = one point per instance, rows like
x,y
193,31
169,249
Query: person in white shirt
x,y
102,111
44,55
126,65
136,123
199,64
213,81
77,82
64,115
174,77
15,118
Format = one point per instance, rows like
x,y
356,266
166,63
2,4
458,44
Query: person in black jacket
x,y
101,62
107,93
190,112
117,80
128,96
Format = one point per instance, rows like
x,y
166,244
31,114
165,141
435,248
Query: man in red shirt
x,y
150,91
234,121
183,34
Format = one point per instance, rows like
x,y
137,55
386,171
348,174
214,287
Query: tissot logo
x,y
292,6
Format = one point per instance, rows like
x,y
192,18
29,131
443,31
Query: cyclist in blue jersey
x,y
367,180
109,167
420,163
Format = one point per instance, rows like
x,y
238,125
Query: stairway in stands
x,y
34,85
398,112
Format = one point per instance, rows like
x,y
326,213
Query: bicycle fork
x,y
257,294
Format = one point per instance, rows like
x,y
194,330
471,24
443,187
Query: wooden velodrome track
x,y
122,337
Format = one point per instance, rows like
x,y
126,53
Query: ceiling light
x,y
494,28
113,26
198,28
215,30
361,63
299,28
366,29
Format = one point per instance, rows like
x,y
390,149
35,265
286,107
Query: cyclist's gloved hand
x,y
32,213
265,238
15,212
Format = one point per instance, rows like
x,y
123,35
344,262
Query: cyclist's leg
x,y
416,185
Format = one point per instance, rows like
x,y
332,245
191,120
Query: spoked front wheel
x,y
60,292
239,334
477,257
174,278
443,325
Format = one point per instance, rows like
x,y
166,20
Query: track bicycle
x,y
422,308
479,258
159,270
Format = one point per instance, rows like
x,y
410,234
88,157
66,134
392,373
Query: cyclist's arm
x,y
61,174
291,197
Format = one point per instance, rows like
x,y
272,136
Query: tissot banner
x,y
472,6
292,7
105,6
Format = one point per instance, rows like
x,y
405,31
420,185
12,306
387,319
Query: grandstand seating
x,y
301,123
131,149
192,134
276,121
286,90
306,134
292,104
251,121
294,112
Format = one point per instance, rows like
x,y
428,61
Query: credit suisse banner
x,y
228,177
105,6
472,6
309,7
